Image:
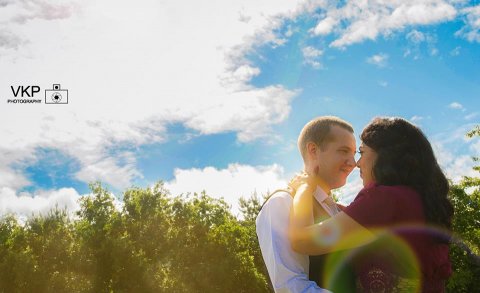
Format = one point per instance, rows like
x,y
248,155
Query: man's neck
x,y
324,187
320,183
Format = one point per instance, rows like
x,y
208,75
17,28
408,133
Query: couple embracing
x,y
392,238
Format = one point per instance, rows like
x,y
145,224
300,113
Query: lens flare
x,y
330,234
385,264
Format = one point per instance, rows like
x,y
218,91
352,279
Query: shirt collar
x,y
320,195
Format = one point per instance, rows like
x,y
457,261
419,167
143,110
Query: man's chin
x,y
339,184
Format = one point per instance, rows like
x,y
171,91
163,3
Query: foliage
x,y
155,243
465,247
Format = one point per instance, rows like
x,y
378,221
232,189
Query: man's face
x,y
337,159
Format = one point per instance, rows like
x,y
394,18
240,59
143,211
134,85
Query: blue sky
x,y
173,91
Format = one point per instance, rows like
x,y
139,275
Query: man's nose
x,y
351,162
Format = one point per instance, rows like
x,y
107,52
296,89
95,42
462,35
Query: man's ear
x,y
312,150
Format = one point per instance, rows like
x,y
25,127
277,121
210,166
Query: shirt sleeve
x,y
286,268
373,207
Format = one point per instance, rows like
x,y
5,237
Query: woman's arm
x,y
302,210
337,233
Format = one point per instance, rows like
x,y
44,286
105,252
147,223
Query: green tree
x,y
15,263
465,248
97,217
213,252
50,240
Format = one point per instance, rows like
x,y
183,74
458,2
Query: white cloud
x,y
39,9
459,167
383,83
415,36
453,137
456,51
230,183
417,41
290,31
416,118
475,147
4,3
366,20
471,116
243,180
443,156
456,106
243,18
351,189
10,176
454,152
41,202
309,52
131,69
10,41
407,52
325,26
379,60
25,204
471,30
107,170
311,55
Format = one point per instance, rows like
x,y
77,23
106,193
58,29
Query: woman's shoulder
x,y
400,195
402,198
400,190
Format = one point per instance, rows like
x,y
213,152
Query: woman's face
x,y
367,159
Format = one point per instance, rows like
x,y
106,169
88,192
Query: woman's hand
x,y
302,179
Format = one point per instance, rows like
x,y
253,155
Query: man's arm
x,y
286,268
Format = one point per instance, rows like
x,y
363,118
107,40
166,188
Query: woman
x,y
392,227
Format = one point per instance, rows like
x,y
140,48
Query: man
x,y
327,146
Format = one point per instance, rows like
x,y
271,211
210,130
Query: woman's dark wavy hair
x,y
405,157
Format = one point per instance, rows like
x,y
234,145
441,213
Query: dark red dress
x,y
407,255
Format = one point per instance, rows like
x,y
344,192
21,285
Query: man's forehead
x,y
341,135
345,145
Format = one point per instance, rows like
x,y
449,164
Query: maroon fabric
x,y
399,210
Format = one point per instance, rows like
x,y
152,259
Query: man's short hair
x,y
318,132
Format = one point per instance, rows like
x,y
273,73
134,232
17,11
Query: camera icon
x,y
56,95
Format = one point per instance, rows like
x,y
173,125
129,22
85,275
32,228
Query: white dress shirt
x,y
288,270
327,202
